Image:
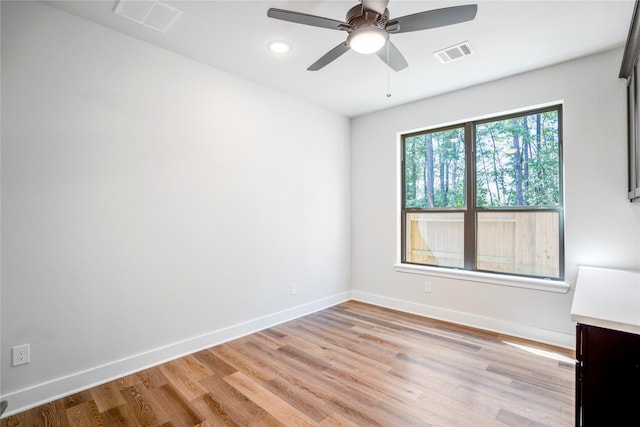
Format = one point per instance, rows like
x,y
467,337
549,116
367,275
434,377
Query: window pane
x,y
517,161
434,165
435,238
524,243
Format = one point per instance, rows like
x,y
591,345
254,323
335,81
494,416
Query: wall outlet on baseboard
x,y
427,287
21,354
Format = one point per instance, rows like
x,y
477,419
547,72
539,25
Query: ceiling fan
x,y
368,27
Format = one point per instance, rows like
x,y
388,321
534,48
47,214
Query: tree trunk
x,y
487,178
517,161
525,160
411,171
429,186
498,177
454,176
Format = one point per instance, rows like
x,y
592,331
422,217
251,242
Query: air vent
x,y
150,13
452,53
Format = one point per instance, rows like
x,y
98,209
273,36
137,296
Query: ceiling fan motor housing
x,y
366,28
358,17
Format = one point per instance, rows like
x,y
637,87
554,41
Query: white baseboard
x,y
559,339
39,394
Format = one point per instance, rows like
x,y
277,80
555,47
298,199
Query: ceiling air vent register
x,y
150,13
454,52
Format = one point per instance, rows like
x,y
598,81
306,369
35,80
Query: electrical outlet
x,y
294,289
427,287
21,354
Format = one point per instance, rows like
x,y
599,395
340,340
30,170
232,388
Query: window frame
x,y
471,211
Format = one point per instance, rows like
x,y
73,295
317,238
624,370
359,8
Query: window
x,y
486,195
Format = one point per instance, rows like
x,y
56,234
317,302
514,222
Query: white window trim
x,y
547,285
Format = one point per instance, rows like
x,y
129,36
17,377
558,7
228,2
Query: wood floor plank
x,y
335,353
107,396
214,363
302,399
120,417
185,381
145,407
77,416
181,413
340,396
266,340
52,414
353,364
213,411
337,420
233,403
272,404
85,414
77,398
152,378
512,419
241,362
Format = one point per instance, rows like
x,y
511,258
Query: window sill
x,y
547,285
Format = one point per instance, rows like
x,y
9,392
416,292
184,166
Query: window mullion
x,y
470,193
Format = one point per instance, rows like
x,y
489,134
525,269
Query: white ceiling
x,y
508,37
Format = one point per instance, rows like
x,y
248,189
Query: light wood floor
x,y
352,364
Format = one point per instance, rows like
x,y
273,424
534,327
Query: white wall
x,y
152,205
602,227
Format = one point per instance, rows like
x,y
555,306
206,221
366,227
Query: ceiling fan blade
x,y
329,57
433,18
378,6
303,18
391,56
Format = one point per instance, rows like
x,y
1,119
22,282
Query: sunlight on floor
x,y
544,353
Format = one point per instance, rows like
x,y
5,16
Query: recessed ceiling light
x,y
279,47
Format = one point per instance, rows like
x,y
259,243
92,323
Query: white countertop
x,y
607,298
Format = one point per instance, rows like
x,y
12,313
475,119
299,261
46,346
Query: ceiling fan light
x,y
367,40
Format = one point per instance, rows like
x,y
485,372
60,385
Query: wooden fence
x,y
511,242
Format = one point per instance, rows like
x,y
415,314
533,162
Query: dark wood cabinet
x,y
606,309
607,377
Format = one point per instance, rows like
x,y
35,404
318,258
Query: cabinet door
x,y
610,375
634,136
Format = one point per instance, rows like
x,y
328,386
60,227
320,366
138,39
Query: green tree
x,y
434,169
517,161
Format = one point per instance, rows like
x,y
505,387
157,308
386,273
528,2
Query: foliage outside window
x,y
486,195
